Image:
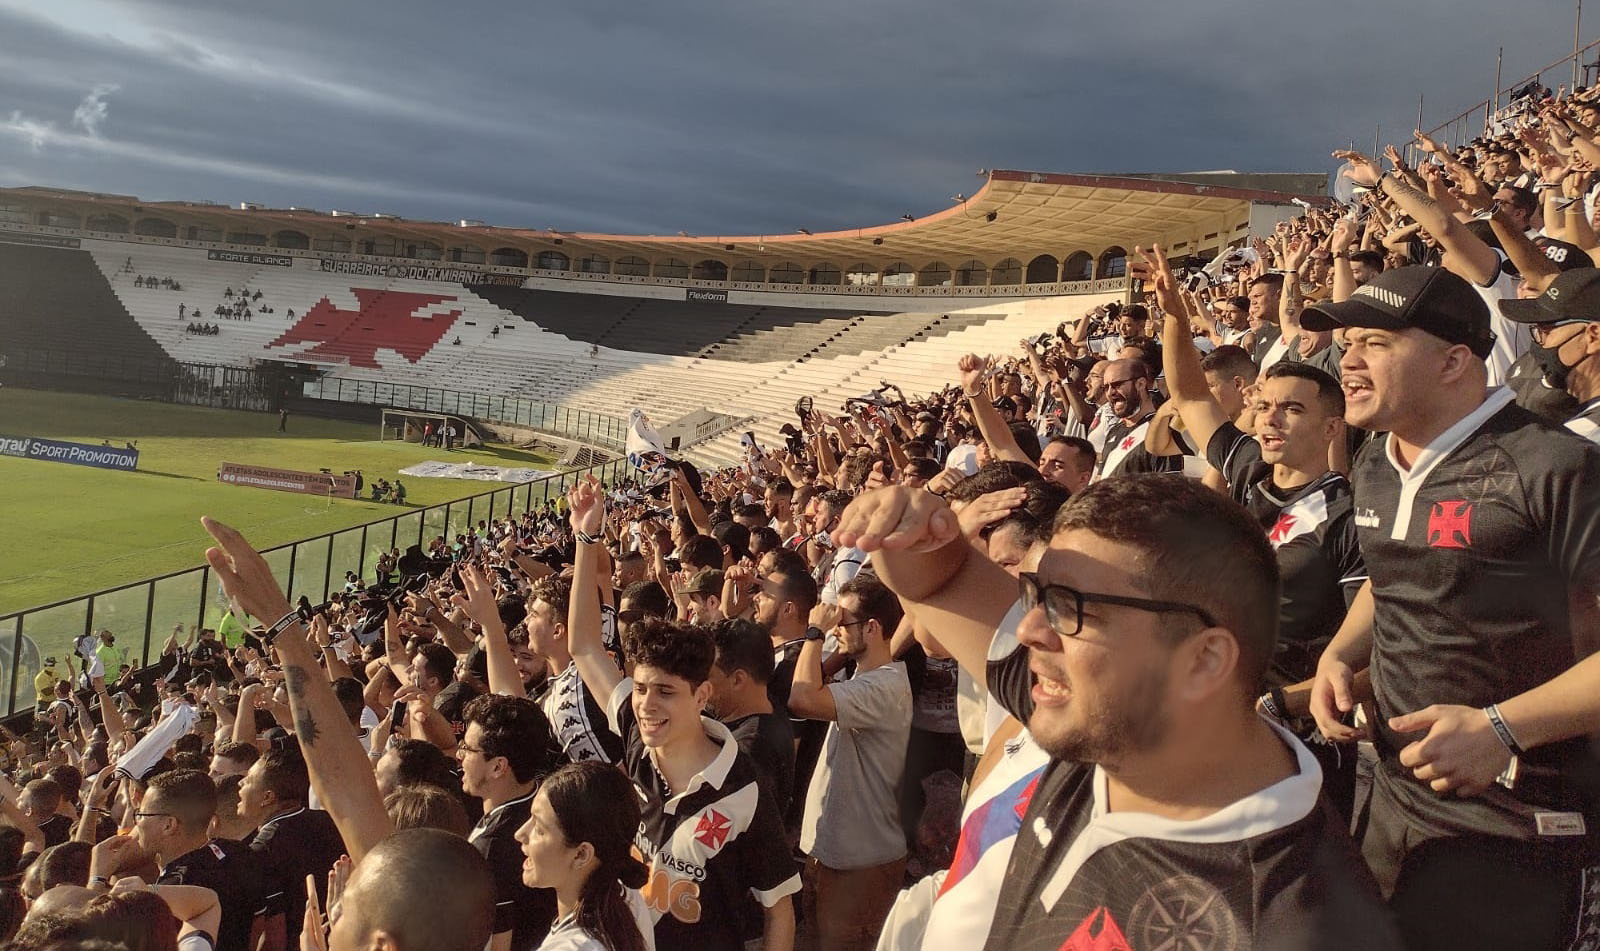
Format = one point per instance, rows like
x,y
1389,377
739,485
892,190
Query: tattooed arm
x,y
1464,253
340,771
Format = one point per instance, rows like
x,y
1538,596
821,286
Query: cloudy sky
x,y
716,116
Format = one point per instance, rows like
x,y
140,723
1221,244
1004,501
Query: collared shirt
x,y
1313,533
1473,551
710,847
523,911
1274,869
1586,422
239,878
293,845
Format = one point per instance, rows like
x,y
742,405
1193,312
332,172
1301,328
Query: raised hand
x,y
1426,142
1343,236
1361,170
897,518
245,575
989,508
587,506
477,598
973,369
1154,268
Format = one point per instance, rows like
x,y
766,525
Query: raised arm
x,y
600,675
339,770
1465,254
1180,361
918,550
1002,445
477,599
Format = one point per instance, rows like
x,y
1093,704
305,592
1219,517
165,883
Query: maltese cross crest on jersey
x,y
712,829
1450,525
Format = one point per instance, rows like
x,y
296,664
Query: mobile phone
x,y
397,715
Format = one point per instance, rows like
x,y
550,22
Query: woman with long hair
x,y
578,841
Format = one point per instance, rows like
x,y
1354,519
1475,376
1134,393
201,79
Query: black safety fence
x,y
142,615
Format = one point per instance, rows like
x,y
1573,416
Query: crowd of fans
x,y
1255,613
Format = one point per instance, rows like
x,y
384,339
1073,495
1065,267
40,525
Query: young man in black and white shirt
x,y
1168,806
579,721
711,836
1478,525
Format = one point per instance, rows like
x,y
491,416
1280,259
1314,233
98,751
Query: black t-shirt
x,y
768,739
1473,553
57,829
1275,870
1312,530
711,849
1125,453
1533,394
239,878
292,846
525,912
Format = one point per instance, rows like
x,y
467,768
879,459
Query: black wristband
x,y
815,633
1503,731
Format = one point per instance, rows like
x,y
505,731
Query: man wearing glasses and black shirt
x,y
1169,808
1128,383
1480,530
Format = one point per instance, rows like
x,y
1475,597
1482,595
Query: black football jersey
x,y
1473,552
1312,531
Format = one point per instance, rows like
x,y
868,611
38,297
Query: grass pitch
x,y
72,529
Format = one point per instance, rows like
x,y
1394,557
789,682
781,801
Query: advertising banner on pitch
x,y
433,469
75,453
288,480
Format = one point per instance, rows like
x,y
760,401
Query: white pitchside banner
x,y
471,470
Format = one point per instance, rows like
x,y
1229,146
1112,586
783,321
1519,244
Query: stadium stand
x,y
606,352
55,300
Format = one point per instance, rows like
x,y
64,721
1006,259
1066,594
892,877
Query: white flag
x,y
645,449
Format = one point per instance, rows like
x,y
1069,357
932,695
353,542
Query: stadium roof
x,y
1014,213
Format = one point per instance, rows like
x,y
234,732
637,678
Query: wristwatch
x,y
815,633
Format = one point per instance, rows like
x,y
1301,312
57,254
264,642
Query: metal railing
x,y
1472,121
583,425
143,613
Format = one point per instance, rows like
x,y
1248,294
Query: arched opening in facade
x,y
253,238
508,257
935,274
1079,267
111,224
748,272
631,266
673,268
710,270
600,264
861,274
1113,263
467,254
973,273
786,273
1008,271
552,261
899,274
825,273
156,228
1044,269
292,240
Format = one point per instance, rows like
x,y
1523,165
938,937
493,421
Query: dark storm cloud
x,y
713,116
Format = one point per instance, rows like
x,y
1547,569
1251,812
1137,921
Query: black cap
x,y
1430,299
1566,256
1573,295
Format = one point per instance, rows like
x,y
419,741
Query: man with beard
x,y
1128,384
851,830
1134,657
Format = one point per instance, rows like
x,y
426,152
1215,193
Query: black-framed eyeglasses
x,y
1063,606
464,748
153,815
1541,332
856,623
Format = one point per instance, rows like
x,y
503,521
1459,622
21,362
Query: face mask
x,y
1556,373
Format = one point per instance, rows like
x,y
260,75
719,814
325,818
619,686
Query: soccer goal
x,y
409,425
